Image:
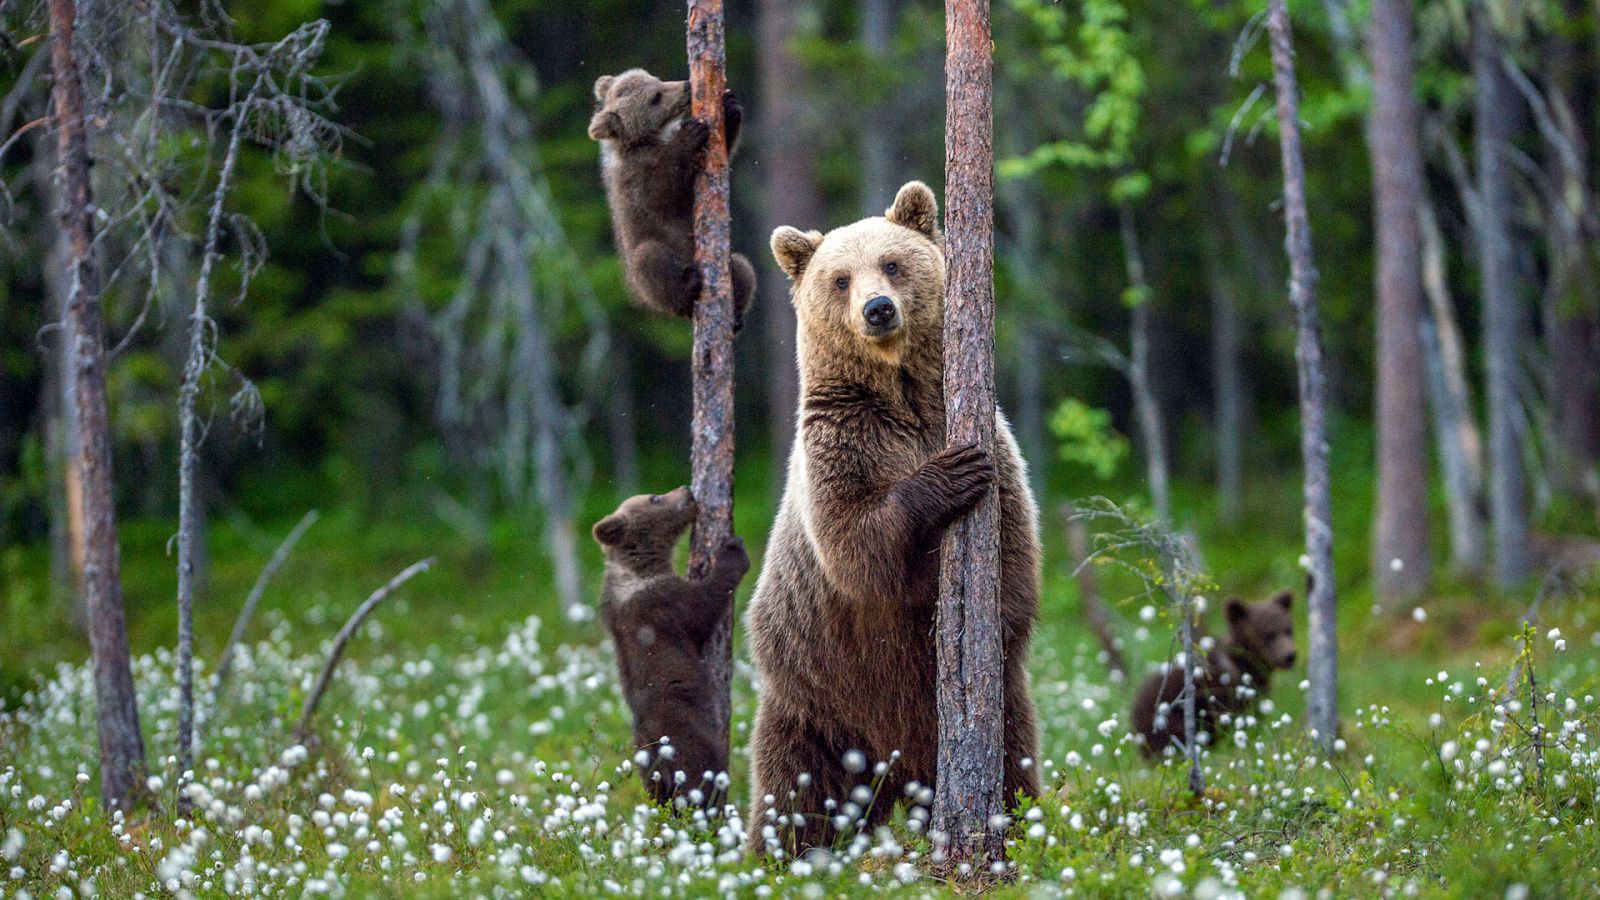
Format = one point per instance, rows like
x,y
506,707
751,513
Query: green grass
x,y
471,682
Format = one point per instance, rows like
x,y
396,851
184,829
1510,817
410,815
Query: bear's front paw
x,y
963,474
731,556
732,109
694,134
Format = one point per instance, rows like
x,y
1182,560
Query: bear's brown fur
x,y
841,624
1234,674
659,622
649,151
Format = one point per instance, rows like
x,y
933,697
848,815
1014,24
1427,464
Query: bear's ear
x,y
1235,610
793,248
1284,599
916,208
610,530
602,87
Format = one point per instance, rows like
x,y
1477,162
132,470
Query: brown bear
x,y
1235,673
841,624
659,623
649,152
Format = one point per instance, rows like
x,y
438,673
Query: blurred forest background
x,y
418,323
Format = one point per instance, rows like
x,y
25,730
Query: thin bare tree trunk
x,y
1191,722
711,454
1095,610
877,143
1146,408
620,421
1494,128
1454,422
117,710
1322,711
1227,382
1030,414
789,187
1401,562
969,790
251,600
189,536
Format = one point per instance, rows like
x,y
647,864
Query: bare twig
x,y
1094,606
240,624
336,653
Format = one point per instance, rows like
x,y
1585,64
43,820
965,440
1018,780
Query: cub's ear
x,y
602,87
1284,599
610,530
793,248
1235,610
916,208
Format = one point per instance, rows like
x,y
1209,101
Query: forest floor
x,y
475,742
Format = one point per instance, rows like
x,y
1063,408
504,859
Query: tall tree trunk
x,y
969,790
711,455
1227,385
1146,408
877,147
1494,127
1401,562
1450,400
117,710
1322,710
789,187
1030,413
621,421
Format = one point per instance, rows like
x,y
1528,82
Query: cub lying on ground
x,y
660,623
1234,674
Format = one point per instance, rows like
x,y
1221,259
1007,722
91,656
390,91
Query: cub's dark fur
x,y
1234,674
649,151
659,622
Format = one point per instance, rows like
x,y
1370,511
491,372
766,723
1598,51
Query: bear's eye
x,y
656,100
891,268
655,499
842,282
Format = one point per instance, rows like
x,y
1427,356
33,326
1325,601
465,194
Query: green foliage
x,y
1087,439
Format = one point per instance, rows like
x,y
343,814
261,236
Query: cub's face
x,y
648,523
636,106
876,285
1265,629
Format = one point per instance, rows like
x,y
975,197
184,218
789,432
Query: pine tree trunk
x,y
1146,407
969,792
1322,712
1450,400
789,188
1494,128
117,711
1401,562
711,455
1227,385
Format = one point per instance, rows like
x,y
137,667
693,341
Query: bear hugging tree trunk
x,y
841,624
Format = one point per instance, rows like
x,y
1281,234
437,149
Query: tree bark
x,y
1146,407
711,455
117,711
969,795
1227,385
789,185
1450,400
1494,128
1322,713
1401,562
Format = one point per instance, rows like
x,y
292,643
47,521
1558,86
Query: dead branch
x,y
251,600
303,730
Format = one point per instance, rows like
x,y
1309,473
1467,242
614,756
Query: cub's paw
x,y
694,134
732,109
731,556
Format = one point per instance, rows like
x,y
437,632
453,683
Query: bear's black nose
x,y
1289,660
880,312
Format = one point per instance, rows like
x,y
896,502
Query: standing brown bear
x,y
1235,673
649,152
659,622
841,625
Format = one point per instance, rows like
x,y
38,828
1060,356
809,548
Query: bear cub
x,y
1233,675
659,621
649,152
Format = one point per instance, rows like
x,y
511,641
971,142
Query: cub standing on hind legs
x,y
1232,677
659,622
649,151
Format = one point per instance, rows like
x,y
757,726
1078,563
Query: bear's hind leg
x,y
744,287
800,771
663,280
1022,735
